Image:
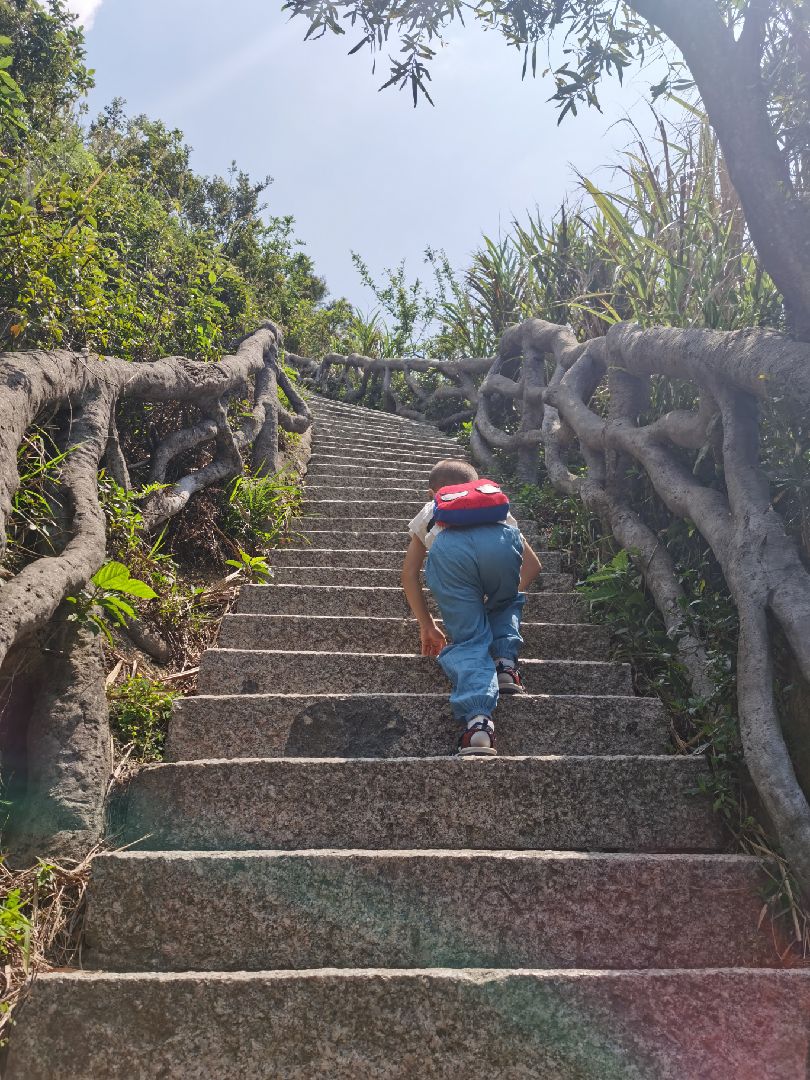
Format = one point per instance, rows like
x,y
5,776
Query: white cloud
x,y
86,10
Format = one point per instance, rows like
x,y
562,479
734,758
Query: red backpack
x,y
476,502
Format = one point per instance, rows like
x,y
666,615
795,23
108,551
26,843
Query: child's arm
x,y
433,640
529,568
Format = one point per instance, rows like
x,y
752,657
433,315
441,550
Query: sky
x,y
360,170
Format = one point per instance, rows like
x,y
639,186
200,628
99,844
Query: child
x,y
477,575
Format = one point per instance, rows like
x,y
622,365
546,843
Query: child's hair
x,y
450,471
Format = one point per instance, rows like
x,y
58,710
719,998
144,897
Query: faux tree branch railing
x,y
85,391
589,402
34,383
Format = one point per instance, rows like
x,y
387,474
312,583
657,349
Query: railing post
x,y
534,381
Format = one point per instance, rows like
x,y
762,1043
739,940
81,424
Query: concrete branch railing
x,y
546,393
83,392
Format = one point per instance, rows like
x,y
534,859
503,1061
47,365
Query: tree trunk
x,y
727,75
69,760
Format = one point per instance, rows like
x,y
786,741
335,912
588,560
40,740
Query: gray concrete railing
x,y
50,669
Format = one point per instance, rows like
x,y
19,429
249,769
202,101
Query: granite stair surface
x,y
314,885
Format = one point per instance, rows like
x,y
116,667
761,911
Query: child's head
x,y
450,471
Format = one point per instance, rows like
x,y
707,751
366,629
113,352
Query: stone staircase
x,y
318,888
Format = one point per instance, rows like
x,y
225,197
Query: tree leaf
x,y
111,576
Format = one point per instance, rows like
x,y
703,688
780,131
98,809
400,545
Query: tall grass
x,y
664,243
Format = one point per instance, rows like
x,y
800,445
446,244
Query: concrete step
x,y
337,575
398,448
561,803
444,445
320,522
363,414
375,420
343,575
373,510
371,418
363,557
383,601
435,1024
371,438
264,671
356,909
324,462
355,538
331,487
338,467
336,633
394,725
335,452
347,557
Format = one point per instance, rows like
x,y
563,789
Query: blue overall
x,y
473,574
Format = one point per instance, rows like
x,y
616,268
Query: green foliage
x,y
140,709
34,525
600,39
259,509
111,242
12,118
103,600
251,567
180,610
40,923
409,306
15,926
676,240
48,61
704,725
614,588
668,246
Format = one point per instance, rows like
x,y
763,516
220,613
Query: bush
x,y
139,714
259,509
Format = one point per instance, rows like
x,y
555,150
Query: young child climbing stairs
x,y
478,568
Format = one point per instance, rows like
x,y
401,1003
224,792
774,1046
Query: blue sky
x,y
358,169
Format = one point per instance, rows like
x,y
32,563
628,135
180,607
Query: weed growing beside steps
x,y
259,508
41,913
140,709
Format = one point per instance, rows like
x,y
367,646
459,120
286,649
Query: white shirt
x,y
419,526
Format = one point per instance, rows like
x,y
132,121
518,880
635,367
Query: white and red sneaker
x,y
509,679
478,738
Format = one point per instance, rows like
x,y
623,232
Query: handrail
x,y
53,690
91,388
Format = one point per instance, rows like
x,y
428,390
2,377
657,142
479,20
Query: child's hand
x,y
433,640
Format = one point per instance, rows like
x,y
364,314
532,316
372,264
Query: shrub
x,y
139,713
259,509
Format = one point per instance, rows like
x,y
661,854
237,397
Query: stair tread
x,y
342,1024
596,802
359,907
312,797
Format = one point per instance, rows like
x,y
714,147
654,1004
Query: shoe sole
x,y
511,688
477,751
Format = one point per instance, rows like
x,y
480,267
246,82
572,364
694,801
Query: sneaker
x,y
478,739
509,680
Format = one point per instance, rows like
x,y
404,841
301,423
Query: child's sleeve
x,y
419,526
